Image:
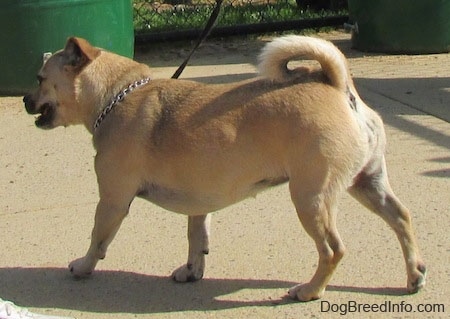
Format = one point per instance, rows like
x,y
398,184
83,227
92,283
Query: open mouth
x,y
44,120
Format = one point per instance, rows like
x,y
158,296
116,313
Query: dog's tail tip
x,y
276,55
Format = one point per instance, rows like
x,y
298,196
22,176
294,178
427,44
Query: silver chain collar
x,y
118,98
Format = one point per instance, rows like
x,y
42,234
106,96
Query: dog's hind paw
x,y
187,273
419,279
305,292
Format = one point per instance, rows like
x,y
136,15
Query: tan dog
x,y
194,148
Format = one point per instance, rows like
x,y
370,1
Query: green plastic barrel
x,y
401,26
30,28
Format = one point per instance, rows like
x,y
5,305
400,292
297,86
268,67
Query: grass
x,y
149,18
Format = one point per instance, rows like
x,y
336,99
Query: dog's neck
x,y
119,97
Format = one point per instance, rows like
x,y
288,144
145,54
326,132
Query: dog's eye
x,y
40,79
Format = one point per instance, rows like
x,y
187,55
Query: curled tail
x,y
276,55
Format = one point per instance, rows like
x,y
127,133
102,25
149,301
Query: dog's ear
x,y
79,52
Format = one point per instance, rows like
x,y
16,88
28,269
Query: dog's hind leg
x,y
198,234
372,189
317,213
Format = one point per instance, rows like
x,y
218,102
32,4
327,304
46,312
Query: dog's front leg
x,y
108,219
198,233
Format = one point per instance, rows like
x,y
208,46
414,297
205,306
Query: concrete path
x,y
48,194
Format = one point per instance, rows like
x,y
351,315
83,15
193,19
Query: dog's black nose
x,y
29,103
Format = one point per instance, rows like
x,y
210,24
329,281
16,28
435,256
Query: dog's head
x,y
55,99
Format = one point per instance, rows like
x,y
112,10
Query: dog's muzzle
x,y
46,111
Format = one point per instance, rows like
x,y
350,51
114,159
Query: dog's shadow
x,y
125,292
128,292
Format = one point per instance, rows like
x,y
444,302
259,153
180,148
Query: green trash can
x,y
30,28
401,26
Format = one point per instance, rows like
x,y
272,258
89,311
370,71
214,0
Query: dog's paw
x,y
187,273
81,267
418,279
304,293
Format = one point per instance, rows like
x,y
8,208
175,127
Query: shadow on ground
x,y
128,292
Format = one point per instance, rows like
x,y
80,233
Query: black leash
x,y
203,36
